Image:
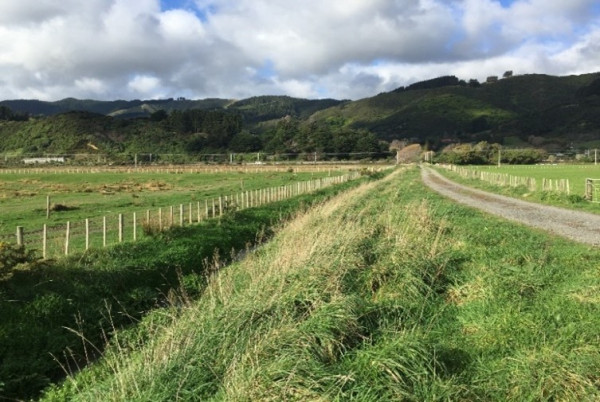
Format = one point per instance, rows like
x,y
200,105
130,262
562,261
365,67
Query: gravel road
x,y
579,226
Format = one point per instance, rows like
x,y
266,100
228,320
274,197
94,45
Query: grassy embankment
x,y
49,307
575,173
387,292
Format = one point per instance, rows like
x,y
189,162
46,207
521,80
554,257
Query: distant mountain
x,y
528,110
254,110
120,108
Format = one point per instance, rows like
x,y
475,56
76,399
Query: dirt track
x,y
579,226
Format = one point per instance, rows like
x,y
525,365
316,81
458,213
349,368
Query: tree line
x,y
213,131
484,153
7,114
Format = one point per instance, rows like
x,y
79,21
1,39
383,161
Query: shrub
x,y
11,256
151,228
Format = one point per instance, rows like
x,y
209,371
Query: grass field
x,y
78,196
386,292
575,173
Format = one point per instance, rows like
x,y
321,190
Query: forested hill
x,y
534,110
527,110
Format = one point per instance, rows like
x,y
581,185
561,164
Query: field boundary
x,y
188,169
505,180
579,226
76,236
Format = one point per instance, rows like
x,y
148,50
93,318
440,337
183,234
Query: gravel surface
x,y
579,226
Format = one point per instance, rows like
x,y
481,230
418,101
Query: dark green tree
x,y
245,142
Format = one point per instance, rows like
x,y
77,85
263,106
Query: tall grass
x,y
387,292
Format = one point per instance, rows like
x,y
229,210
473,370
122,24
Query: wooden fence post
x,y
19,235
120,228
45,242
134,226
160,225
180,214
588,189
87,234
67,238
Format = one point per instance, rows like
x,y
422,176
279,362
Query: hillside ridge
x,y
533,110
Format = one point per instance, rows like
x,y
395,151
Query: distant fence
x,y
70,237
592,190
506,180
184,169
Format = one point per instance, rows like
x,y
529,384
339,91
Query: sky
x,y
235,49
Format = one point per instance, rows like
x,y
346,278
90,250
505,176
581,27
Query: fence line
x,y
187,169
65,239
506,180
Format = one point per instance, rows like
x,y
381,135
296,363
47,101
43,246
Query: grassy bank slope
x,y
387,292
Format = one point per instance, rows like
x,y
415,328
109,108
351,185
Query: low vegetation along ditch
x,y
385,292
57,315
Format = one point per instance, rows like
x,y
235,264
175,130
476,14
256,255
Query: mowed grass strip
x,y
387,292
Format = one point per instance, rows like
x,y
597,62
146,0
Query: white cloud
x,y
109,49
90,85
144,85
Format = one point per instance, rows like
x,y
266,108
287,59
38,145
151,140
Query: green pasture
x,y
75,197
575,173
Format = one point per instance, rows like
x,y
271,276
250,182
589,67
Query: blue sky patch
x,y
267,71
507,3
188,5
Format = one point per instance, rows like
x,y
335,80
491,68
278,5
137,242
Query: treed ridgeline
x,y
553,114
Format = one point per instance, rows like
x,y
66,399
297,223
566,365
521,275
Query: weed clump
x,y
62,208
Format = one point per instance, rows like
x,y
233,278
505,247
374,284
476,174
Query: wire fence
x,y
157,159
506,180
77,236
